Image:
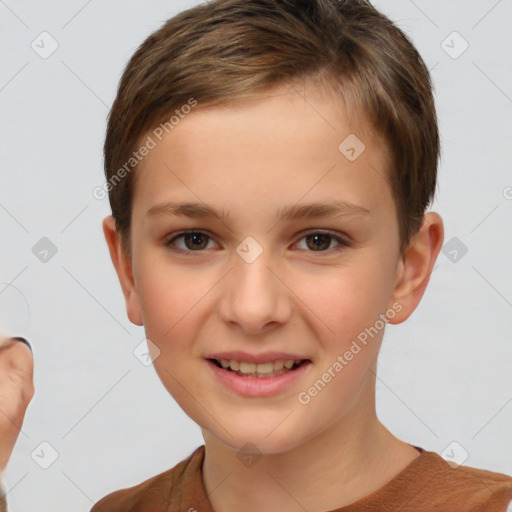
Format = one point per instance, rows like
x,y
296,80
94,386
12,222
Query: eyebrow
x,y
292,212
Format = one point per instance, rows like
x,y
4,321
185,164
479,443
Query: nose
x,y
255,297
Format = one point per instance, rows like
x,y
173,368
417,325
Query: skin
x,y
16,392
251,159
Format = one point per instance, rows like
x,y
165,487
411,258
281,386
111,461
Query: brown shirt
x,y
428,484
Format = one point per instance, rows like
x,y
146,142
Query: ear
x,y
415,266
123,267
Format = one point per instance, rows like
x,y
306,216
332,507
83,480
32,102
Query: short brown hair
x,y
227,50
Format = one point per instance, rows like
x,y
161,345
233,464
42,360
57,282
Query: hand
x,y
16,391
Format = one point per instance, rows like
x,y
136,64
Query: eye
x,y
320,241
197,241
193,241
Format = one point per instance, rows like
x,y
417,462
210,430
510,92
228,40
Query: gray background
x,y
444,376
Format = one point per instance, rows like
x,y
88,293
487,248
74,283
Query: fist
x,y
16,391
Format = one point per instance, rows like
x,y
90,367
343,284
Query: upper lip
x,y
265,357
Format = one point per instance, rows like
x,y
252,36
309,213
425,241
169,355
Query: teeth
x,y
247,367
260,368
265,368
278,365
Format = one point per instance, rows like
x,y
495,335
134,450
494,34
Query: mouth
x,y
259,370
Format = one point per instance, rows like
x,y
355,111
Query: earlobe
x,y
123,267
416,265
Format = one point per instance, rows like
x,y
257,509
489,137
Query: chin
x,y
257,440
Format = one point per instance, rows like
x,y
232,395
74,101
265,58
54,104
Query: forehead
x,y
290,141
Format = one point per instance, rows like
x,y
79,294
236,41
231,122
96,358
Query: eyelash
x,y
342,242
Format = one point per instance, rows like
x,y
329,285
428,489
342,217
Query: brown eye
x,y
318,242
195,240
192,241
321,242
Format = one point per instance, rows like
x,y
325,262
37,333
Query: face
x,y
265,278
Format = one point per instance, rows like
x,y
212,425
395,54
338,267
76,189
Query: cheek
x,y
168,296
171,308
346,300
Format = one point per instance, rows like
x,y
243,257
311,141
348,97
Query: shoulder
x,y
456,485
155,492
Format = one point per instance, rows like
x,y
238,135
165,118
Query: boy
x,y
269,164
285,155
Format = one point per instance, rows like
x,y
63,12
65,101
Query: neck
x,y
348,460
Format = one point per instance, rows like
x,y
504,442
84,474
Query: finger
x,y
16,370
23,340
7,343
16,392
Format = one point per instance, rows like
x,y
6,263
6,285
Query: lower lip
x,y
258,386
